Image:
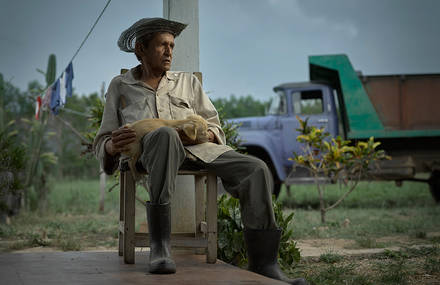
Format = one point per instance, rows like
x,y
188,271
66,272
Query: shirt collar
x,y
171,75
129,76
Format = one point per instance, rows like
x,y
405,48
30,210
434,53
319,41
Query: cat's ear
x,y
190,131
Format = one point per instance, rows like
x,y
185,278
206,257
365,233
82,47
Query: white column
x,y
186,52
185,58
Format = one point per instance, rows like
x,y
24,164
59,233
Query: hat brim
x,y
145,27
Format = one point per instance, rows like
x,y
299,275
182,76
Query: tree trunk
x,y
42,191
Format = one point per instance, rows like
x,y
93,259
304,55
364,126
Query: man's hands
x,y
123,136
119,140
211,137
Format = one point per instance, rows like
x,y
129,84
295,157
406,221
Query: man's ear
x,y
190,131
139,49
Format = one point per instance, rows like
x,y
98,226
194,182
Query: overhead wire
x,y
77,51
85,39
88,34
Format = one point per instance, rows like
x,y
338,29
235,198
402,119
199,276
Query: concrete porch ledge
x,y
108,268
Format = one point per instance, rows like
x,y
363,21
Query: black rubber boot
x,y
159,227
262,249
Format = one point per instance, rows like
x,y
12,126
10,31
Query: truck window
x,y
277,105
308,102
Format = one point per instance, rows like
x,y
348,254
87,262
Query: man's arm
x,y
120,138
204,107
108,157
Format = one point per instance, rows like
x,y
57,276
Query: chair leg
x,y
121,212
211,205
199,183
129,214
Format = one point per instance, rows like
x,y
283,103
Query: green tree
x,y
12,161
244,106
73,122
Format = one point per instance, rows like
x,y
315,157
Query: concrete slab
x,y
108,268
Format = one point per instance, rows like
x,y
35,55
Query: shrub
x,y
231,246
335,159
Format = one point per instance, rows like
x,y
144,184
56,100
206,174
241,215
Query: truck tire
x,y
276,187
434,185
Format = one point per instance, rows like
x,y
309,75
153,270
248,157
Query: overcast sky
x,y
246,47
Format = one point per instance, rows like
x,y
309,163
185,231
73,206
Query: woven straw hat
x,y
145,27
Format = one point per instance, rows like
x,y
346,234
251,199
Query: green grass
x,y
330,257
373,210
80,197
393,272
406,266
366,195
369,243
71,221
366,222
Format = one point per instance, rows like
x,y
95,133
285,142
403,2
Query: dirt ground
x,y
316,247
308,247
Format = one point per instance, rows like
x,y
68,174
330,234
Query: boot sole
x,y
162,267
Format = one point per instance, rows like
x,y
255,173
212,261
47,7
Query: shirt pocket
x,y
180,107
135,111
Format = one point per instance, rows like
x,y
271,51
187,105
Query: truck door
x,y
311,104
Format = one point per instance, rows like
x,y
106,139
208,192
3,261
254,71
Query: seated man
x,y
150,90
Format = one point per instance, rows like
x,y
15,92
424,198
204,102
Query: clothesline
x,y
55,95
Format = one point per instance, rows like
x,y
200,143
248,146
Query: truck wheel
x,y
276,187
434,185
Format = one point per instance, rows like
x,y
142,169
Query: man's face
x,y
159,52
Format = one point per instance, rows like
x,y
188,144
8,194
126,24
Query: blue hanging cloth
x,y
55,100
69,78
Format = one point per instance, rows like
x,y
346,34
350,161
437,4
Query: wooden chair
x,y
205,235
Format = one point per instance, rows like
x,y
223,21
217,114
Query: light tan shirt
x,y
178,95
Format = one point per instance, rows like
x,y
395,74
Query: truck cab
x,y
272,138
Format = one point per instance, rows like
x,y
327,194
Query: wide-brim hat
x,y
145,27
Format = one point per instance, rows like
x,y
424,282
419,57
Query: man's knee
x,y
257,164
166,132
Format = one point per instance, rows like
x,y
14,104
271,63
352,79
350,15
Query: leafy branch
x,y
335,160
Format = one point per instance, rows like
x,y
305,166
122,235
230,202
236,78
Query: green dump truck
x,y
401,111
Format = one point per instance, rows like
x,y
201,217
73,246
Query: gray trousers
x,y
244,177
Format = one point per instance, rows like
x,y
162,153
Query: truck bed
x,y
385,106
405,102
